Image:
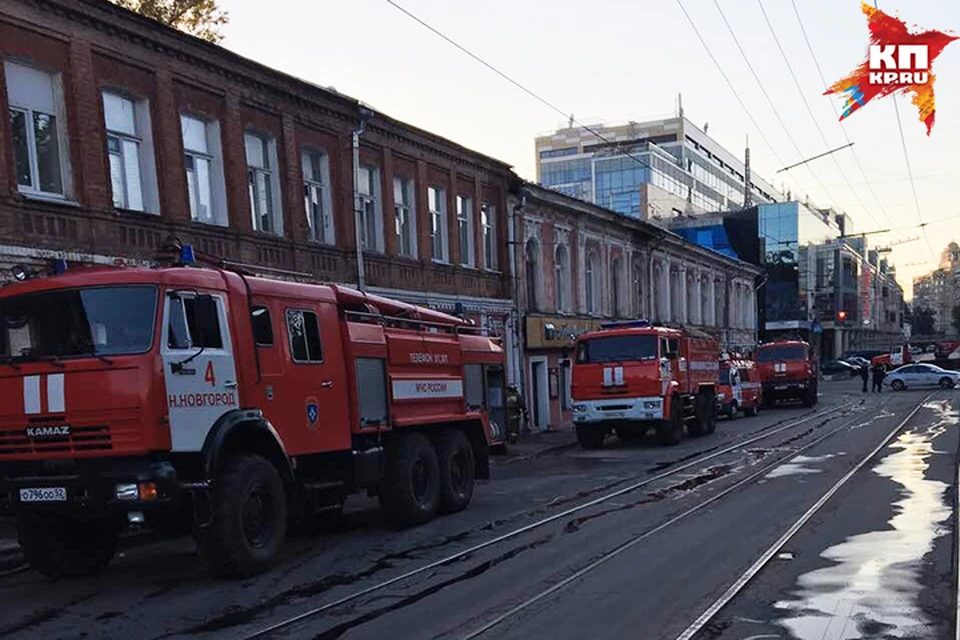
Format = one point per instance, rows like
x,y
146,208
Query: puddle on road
x,y
873,587
800,466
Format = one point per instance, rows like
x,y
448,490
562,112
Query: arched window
x,y
561,277
657,294
532,274
591,284
615,287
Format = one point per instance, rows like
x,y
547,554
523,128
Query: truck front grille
x,y
85,438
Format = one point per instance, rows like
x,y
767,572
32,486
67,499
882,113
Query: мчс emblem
x,y
313,412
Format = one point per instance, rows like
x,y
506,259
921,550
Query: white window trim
x,y
377,200
328,231
272,174
440,215
63,141
491,262
466,216
213,154
149,196
411,213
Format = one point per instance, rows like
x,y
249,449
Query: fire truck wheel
x,y
61,547
590,436
249,518
732,410
410,490
670,431
457,471
810,397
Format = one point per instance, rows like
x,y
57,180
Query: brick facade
x,y
95,46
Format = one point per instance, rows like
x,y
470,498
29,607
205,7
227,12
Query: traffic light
x,y
841,316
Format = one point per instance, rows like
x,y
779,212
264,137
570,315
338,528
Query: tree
x,y
955,320
201,18
923,322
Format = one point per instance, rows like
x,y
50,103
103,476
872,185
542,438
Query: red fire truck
x,y
788,370
895,357
629,376
214,401
739,388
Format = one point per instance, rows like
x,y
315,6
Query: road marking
x,y
757,566
535,525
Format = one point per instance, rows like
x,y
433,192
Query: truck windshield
x,y
724,376
782,352
617,349
75,322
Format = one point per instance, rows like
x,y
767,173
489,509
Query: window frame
x,y
270,176
273,338
406,187
488,222
216,216
319,236
303,312
142,141
174,295
369,209
438,224
465,230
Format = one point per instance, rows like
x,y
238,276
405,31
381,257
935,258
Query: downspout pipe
x,y
365,115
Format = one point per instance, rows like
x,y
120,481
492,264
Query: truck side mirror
x,y
206,321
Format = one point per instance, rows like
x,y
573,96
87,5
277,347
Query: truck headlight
x,y
721,396
651,404
579,408
127,492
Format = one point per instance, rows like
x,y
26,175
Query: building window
x,y
561,277
316,196
638,290
465,229
37,126
488,223
591,284
263,183
368,186
436,201
203,164
615,287
130,152
532,275
405,218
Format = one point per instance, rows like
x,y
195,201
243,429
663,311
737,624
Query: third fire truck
x,y
788,370
630,376
214,401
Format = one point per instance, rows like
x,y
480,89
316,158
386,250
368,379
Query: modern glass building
x,y
655,169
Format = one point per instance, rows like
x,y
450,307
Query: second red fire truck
x,y
213,401
788,371
630,376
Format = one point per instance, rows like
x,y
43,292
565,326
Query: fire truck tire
x,y
249,521
60,547
457,470
410,490
670,431
590,436
810,397
732,410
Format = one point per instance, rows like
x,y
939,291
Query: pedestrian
x,y
878,374
864,374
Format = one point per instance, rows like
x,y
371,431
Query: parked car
x,y
915,351
839,367
915,376
857,361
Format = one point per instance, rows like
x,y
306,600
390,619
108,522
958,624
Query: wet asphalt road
x,y
875,561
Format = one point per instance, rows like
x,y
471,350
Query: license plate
x,y
615,414
45,494
781,387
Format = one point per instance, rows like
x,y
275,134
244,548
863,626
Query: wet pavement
x,y
876,559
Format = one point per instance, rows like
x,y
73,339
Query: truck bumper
x,y
785,389
617,410
87,486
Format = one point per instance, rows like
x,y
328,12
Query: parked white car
x,y
915,376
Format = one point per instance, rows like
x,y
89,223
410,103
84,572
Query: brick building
x,y
579,264
122,133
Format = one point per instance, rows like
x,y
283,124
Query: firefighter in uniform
x,y
516,413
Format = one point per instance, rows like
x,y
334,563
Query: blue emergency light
x,y
625,324
186,254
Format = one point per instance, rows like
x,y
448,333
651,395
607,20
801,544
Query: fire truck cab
x,y
788,370
210,400
629,376
739,388
895,357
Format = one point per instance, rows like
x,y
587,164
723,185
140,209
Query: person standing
x,y
864,374
516,413
879,372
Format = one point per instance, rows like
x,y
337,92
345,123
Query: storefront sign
x,y
556,332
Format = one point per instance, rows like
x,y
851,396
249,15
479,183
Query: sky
x,y
611,61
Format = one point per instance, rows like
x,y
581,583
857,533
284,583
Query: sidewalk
x,y
534,445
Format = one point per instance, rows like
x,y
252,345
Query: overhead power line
x,y
770,101
836,113
806,104
520,86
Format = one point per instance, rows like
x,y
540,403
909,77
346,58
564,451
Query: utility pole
x,y
747,180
